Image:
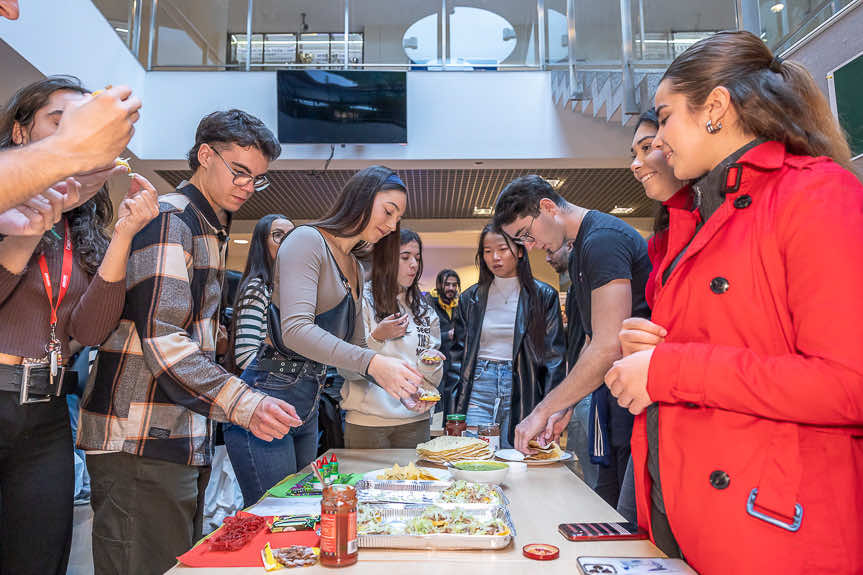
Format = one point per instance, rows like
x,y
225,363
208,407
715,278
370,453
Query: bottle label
x,y
352,532
328,533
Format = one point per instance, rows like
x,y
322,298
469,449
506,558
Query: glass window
x,y
198,32
557,35
783,22
400,33
120,15
482,33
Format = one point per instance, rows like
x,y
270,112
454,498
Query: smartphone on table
x,y
601,531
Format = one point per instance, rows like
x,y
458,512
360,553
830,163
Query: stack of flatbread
x,y
449,448
550,451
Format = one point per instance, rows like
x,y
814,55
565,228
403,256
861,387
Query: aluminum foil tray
x,y
398,514
417,492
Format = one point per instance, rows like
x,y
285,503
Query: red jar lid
x,y
540,551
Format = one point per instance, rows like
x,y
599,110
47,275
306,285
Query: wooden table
x,y
540,499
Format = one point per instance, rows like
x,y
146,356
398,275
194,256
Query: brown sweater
x,y
89,311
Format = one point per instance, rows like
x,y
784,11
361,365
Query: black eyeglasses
x,y
525,235
278,236
242,179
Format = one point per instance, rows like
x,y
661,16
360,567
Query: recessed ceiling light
x,y
554,182
622,211
478,211
777,8
241,242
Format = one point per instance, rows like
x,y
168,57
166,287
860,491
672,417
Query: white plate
x,y
441,474
515,455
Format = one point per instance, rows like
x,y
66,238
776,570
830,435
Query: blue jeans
x,y
261,464
491,397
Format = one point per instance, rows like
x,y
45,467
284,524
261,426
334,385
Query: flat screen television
x,y
342,107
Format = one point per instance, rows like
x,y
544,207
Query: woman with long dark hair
x,y
316,320
249,321
508,350
753,353
401,325
68,284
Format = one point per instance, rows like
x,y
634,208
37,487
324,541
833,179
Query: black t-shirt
x,y
607,249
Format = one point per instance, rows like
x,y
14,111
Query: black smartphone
x,y
601,531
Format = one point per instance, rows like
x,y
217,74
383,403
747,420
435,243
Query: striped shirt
x,y
157,388
251,322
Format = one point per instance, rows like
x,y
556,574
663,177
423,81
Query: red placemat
x,y
250,554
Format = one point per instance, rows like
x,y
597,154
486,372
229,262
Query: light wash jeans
x,y
491,397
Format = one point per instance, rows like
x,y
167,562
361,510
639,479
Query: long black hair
x,y
259,265
88,223
535,315
351,214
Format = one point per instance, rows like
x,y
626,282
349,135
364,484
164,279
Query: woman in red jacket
x,y
754,462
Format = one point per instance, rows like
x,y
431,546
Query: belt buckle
x,y
24,397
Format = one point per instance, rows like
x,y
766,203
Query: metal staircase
x,y
601,93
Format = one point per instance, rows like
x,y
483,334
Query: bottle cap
x,y
324,461
540,551
333,458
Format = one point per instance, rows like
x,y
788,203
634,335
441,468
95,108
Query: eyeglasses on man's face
x,y
524,236
242,179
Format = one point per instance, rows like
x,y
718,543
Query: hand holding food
x,y
555,426
96,130
138,208
429,362
627,380
395,376
529,428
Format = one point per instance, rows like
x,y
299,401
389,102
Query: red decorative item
x,y
236,532
540,551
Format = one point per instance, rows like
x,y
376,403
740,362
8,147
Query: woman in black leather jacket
x,y
508,348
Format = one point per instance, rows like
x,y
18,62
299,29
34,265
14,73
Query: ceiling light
x,y
478,211
621,211
777,8
241,242
555,183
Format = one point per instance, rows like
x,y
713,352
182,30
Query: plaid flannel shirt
x,y
156,388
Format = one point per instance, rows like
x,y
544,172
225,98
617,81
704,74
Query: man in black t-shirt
x,y
608,268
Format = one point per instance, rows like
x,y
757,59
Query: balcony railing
x,y
412,34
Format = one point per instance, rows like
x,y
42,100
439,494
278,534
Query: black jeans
x,y
37,485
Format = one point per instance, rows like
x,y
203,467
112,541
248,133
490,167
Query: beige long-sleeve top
x,y
306,283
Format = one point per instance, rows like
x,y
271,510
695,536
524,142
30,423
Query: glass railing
x,y
785,22
409,34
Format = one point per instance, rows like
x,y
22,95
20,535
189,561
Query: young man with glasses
x,y
147,416
608,269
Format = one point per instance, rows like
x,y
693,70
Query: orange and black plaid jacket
x,y
156,387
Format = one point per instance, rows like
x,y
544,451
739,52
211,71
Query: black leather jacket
x,y
532,377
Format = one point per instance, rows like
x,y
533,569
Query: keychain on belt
x,y
54,348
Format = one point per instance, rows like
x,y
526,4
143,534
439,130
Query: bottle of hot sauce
x,y
339,526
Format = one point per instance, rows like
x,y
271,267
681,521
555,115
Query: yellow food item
x,y
551,451
123,162
411,472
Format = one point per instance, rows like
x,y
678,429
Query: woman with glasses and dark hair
x,y
249,322
398,324
315,321
508,349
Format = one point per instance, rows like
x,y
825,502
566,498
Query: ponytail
x,y
775,100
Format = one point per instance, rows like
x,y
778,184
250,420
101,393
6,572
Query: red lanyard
x,y
65,274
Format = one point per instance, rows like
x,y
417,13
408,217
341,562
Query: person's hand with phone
x,y
391,327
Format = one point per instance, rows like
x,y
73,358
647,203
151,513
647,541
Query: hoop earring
x,y
711,129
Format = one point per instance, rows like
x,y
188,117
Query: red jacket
x,y
760,380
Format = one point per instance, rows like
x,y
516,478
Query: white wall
x,y
452,115
72,37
